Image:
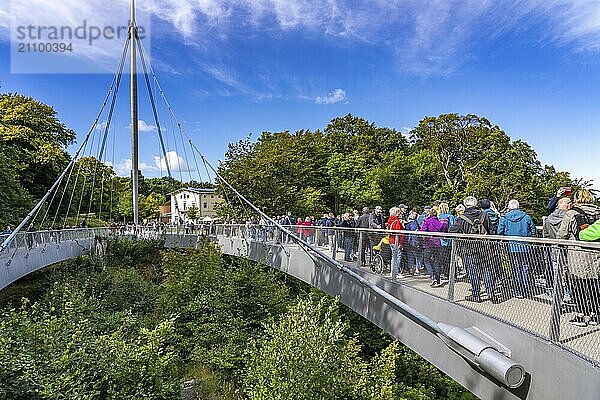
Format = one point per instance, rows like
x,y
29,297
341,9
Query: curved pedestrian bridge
x,y
512,348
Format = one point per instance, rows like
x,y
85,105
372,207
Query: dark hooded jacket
x,y
473,213
552,223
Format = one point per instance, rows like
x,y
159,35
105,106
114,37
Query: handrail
x,y
447,235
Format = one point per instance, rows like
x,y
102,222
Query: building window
x,y
184,206
205,205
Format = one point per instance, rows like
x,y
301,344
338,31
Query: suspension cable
x,y
156,121
108,121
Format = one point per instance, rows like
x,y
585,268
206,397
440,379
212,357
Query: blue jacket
x,y
516,223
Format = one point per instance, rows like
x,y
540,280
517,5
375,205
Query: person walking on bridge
x,y
475,254
412,244
365,243
584,266
31,236
6,232
309,233
432,246
487,207
348,223
518,223
557,255
447,218
394,223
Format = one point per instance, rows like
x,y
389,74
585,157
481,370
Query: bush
x,y
218,307
307,355
62,352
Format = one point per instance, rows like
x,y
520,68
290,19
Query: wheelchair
x,y
382,256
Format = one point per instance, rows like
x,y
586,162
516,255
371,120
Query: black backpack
x,y
475,225
583,220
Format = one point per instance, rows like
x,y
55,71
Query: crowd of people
x,y
504,268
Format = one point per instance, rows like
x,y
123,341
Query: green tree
x,y
351,134
149,205
163,185
477,158
15,202
220,305
86,190
307,355
37,138
192,212
277,168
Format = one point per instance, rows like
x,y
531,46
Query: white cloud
x,y
176,164
123,167
337,96
143,126
427,38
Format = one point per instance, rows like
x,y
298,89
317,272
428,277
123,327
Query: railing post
x,y
452,270
394,262
335,246
360,243
557,293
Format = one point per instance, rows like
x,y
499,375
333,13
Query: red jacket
x,y
308,231
394,224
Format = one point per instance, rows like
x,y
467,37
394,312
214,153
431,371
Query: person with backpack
x,y
584,266
518,223
412,244
475,255
550,228
486,207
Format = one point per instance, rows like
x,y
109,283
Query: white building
x,y
204,200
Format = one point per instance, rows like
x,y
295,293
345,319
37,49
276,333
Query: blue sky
x,y
231,68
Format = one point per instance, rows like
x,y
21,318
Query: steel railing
x,y
27,241
534,284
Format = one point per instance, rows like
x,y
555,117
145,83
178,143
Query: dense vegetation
x,y
353,163
143,320
33,153
348,164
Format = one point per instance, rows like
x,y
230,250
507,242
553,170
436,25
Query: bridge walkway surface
x,y
532,314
